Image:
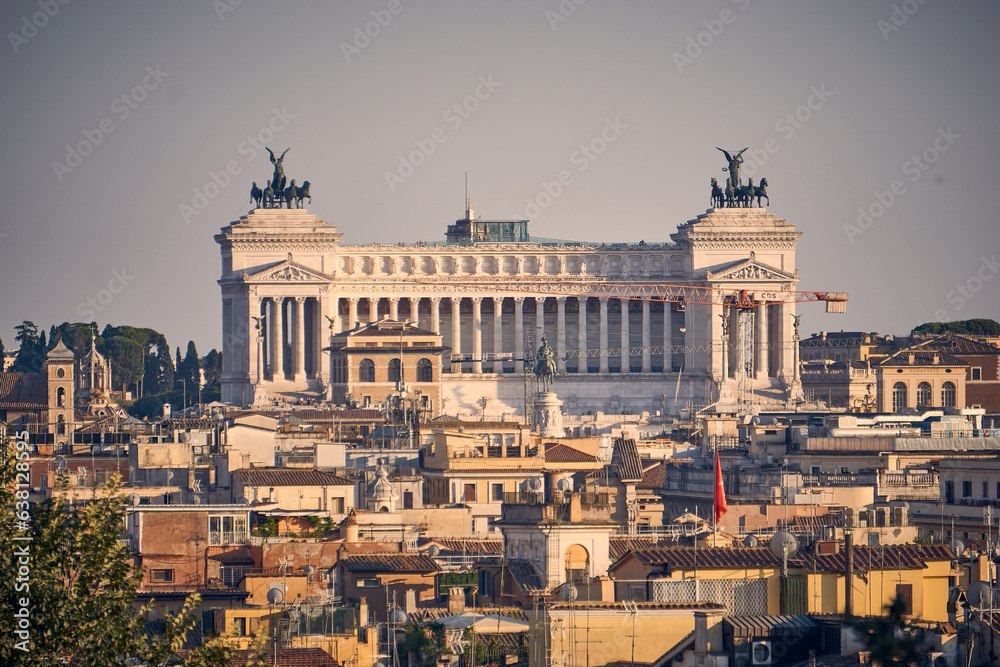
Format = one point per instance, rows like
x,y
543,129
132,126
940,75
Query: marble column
x,y
519,333
603,348
435,302
352,313
394,308
298,326
581,333
761,339
273,338
477,334
317,336
256,348
647,358
539,321
497,334
626,343
456,333
279,356
561,334
668,337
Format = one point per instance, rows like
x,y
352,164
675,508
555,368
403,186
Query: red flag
x,y
720,491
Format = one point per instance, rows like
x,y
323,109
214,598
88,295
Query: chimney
x,y
363,612
456,601
411,601
700,635
575,509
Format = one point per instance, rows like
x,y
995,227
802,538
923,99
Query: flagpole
x,y
715,512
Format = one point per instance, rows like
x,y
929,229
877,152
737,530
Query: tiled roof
x,y
619,546
956,344
556,452
922,357
525,576
23,391
578,605
389,563
389,329
626,459
290,477
653,477
473,547
906,557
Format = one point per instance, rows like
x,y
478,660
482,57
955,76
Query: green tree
x,y
82,585
974,327
1,354
892,640
212,363
126,360
158,375
192,369
30,359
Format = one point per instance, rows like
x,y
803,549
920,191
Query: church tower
x,y
59,370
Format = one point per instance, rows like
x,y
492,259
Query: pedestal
x,y
548,415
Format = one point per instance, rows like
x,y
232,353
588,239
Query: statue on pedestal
x,y
545,367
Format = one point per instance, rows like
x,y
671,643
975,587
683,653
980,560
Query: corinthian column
x,y
435,314
539,319
394,308
603,349
477,334
581,333
279,340
761,336
352,313
647,359
456,333
626,344
561,334
497,333
299,353
519,333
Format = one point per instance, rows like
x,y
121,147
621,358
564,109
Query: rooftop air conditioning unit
x,y
760,653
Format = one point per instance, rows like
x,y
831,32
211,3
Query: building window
x,y
949,491
60,425
496,492
227,529
425,372
985,491
395,367
577,564
366,371
161,576
61,397
905,593
470,493
407,500
240,626
948,395
924,394
966,489
977,374
898,397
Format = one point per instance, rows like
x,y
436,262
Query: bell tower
x,y
59,374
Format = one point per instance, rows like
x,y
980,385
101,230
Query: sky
x,y
133,130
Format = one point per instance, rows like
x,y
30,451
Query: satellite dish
x,y
135,499
61,463
196,500
784,545
433,551
399,617
572,593
958,547
275,596
564,485
184,436
310,570
535,484
750,541
978,595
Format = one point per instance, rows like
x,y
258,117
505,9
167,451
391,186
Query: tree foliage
x,y
82,584
31,351
126,360
212,364
893,641
975,327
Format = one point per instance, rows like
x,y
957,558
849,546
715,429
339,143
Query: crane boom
x,y
836,302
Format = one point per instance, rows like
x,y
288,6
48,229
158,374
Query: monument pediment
x,y
288,271
751,269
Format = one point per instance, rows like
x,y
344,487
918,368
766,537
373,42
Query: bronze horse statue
x,y
256,195
545,367
730,193
717,195
761,191
302,193
745,194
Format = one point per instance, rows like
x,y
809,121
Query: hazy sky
x,y
117,113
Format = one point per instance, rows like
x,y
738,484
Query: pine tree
x,y
28,359
192,368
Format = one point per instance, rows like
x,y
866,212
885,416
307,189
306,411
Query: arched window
x,y
366,371
898,397
61,397
425,372
924,394
577,564
394,367
948,395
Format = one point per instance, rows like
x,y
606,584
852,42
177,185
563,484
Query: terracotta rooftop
x,y
23,391
525,576
578,605
417,563
556,452
474,547
626,459
290,477
619,546
653,477
282,657
922,357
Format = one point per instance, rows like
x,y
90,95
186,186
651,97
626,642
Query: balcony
x,y
531,508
